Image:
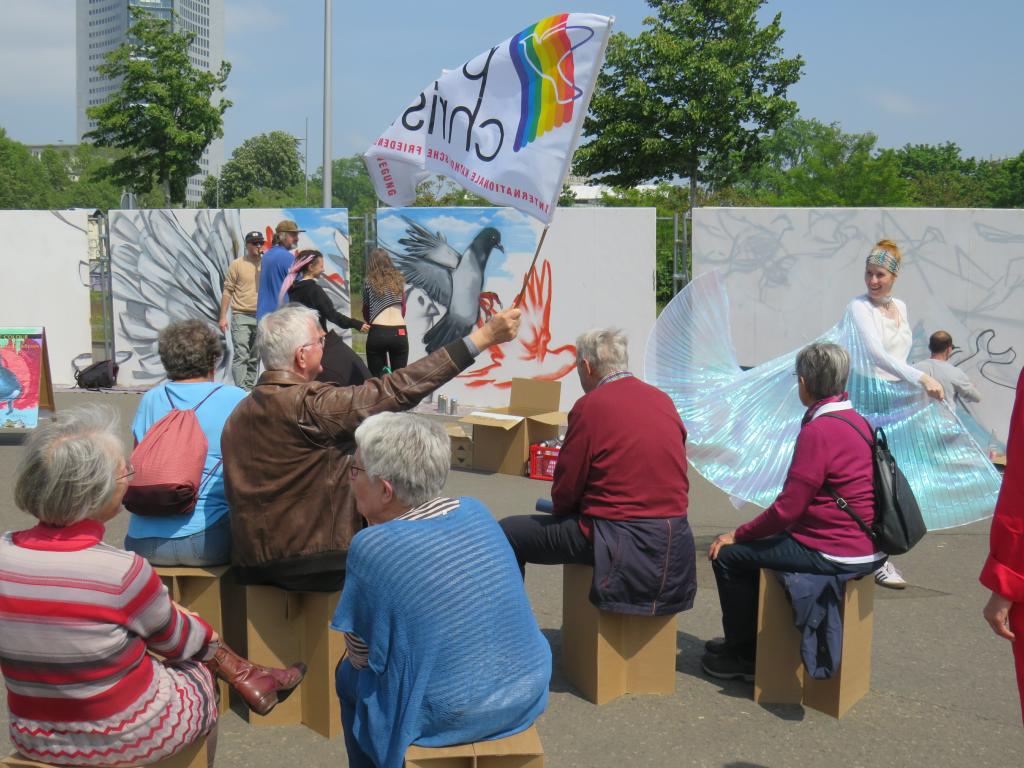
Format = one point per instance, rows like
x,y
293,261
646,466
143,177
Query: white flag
x,y
505,124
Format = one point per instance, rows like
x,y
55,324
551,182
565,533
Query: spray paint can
x,y
442,404
453,407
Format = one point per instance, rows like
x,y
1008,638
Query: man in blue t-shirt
x,y
275,266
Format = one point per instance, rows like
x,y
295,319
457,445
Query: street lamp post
x,y
327,104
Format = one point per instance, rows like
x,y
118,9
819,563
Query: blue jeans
x,y
737,570
345,679
209,547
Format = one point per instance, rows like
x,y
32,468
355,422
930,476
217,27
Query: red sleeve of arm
x,y
805,477
572,467
1004,570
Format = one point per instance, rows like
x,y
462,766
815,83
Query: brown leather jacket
x,y
287,451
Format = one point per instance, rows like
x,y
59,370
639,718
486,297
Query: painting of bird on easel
x,y
20,366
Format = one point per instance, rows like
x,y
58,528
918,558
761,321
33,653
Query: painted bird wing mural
x,y
427,261
164,273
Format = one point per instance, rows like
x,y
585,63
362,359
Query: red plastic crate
x,y
542,462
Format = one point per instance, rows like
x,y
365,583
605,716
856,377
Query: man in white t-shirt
x,y
954,381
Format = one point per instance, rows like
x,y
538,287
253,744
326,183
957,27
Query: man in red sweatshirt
x,y
620,490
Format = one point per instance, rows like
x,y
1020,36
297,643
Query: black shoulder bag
x,y
898,524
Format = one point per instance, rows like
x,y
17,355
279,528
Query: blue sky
x,y
909,70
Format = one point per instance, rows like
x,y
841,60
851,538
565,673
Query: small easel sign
x,y
25,383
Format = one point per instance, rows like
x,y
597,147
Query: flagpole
x,y
328,187
529,272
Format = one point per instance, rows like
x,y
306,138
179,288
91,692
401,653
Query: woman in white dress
x,y
885,330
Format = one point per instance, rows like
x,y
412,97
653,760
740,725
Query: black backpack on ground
x,y
101,375
898,523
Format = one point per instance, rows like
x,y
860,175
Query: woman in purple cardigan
x,y
803,530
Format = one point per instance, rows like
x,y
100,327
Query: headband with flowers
x,y
882,258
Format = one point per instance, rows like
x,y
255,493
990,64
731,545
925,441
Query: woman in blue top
x,y
442,644
189,351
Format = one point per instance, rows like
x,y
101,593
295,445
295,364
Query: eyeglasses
x,y
354,470
129,472
319,342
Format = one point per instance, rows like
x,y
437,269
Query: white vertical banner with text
x,y
505,124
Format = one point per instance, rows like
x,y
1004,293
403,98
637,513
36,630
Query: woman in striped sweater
x,y
387,345
78,619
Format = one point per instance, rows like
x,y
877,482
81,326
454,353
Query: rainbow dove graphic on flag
x,y
504,125
543,58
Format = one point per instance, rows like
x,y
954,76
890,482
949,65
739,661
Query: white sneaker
x,y
888,576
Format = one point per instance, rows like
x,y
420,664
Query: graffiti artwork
x,y
169,265
463,264
24,377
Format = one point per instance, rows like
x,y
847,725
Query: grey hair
x,y
410,452
66,472
283,331
189,349
605,349
824,367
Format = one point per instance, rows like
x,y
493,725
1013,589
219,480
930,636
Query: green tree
x,y
939,177
692,95
269,162
55,169
350,185
23,184
1004,182
163,115
809,163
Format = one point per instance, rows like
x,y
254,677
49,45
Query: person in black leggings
x,y
387,344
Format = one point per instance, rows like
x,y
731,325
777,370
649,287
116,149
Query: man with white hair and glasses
x,y
443,647
288,447
620,490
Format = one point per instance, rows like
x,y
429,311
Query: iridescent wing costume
x,y
742,424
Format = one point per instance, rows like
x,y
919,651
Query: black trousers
x,y
387,345
547,540
737,570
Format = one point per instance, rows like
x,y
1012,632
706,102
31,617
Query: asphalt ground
x,y
942,687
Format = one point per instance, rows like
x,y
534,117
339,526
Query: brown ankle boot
x,y
261,687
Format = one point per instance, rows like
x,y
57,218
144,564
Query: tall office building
x,y
102,25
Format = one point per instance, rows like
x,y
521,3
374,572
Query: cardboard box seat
x,y
502,436
521,750
606,655
284,627
780,677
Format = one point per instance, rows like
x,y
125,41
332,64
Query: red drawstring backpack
x,y
169,465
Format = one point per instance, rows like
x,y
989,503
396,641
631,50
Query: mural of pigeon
x,y
10,387
454,280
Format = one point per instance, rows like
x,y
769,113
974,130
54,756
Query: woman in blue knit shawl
x,y
443,647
